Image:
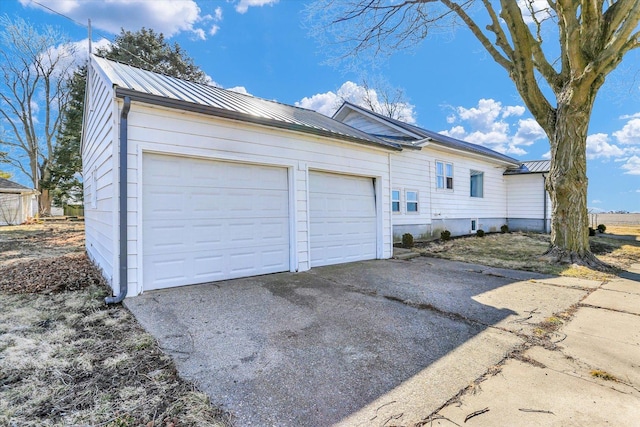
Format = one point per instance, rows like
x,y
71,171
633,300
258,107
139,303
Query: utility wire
x,y
99,34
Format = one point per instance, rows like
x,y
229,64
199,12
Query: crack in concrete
x,y
608,309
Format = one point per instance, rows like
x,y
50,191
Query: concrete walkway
x,y
589,376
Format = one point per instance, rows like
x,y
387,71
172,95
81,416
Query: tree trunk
x,y
44,202
567,187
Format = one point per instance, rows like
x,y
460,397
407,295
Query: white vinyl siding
x,y
411,170
526,195
99,167
370,125
457,204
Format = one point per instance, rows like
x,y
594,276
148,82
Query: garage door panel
x,y
343,218
232,220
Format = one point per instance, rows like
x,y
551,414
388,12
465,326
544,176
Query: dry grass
x,y
624,230
68,359
523,251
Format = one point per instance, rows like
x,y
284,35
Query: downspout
x,y
544,203
123,205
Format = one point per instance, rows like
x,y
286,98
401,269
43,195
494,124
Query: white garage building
x,y
187,183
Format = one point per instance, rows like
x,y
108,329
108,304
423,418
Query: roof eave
x,y
247,118
441,145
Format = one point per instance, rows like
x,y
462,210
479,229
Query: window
x,y
395,200
477,184
444,175
412,201
473,225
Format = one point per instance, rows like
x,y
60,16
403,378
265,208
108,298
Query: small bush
x,y
504,229
602,228
592,231
407,240
480,233
445,235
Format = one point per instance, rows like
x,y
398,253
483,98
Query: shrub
x,y
480,233
445,235
504,229
407,240
592,231
602,228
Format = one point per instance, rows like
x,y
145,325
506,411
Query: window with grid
x,y
412,201
444,175
395,200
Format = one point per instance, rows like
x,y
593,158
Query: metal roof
x,y
7,186
533,166
439,139
159,89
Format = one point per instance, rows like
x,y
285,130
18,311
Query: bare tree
x,y
34,66
592,38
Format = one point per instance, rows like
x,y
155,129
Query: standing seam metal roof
x,y
442,139
533,166
225,103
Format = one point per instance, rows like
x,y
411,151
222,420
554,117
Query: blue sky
x,y
451,84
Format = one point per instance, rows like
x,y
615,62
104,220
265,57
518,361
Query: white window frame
x,y
393,201
408,201
445,177
473,173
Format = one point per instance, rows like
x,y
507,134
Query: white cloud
x,y
514,110
239,89
632,166
243,5
487,126
547,155
537,8
528,132
596,201
630,133
169,17
217,14
598,147
214,30
630,116
327,103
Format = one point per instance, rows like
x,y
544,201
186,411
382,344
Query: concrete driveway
x,y
368,343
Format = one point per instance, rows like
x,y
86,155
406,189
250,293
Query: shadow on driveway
x,y
352,344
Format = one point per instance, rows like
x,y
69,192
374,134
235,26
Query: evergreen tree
x,y
149,50
64,182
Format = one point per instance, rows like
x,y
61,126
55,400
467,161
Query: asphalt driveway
x,y
367,343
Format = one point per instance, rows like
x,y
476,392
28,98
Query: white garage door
x,y
343,218
207,220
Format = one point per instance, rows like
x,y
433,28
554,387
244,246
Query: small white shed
x,y
188,183
16,202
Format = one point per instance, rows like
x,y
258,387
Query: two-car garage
x,y
190,183
207,220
